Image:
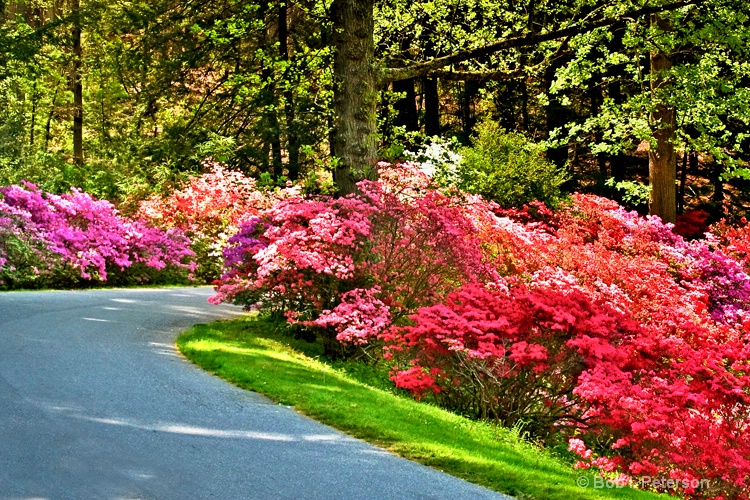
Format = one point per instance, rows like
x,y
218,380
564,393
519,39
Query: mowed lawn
x,y
357,400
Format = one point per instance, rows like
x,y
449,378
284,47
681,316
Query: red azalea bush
x,y
507,351
48,239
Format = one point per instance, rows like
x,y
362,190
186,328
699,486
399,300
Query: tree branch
x,y
485,76
424,68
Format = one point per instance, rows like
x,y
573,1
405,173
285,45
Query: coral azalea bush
x,y
209,209
588,323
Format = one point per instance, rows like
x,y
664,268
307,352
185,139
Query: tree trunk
x,y
556,116
355,93
50,116
269,98
718,195
76,84
431,107
524,106
406,107
683,183
292,140
662,160
468,120
34,104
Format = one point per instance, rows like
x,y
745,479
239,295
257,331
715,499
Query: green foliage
x,y
707,44
318,181
508,168
633,193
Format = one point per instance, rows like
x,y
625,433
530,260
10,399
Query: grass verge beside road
x,y
248,353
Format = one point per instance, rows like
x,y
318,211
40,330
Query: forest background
x,y
124,99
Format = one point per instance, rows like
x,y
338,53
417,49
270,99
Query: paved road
x,y
96,403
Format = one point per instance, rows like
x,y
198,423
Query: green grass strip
x,y
248,354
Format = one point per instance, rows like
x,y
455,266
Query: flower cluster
x,y
209,209
45,236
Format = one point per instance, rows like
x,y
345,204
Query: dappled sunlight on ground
x,y
99,320
201,431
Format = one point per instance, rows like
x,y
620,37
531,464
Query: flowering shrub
x,y
692,224
588,322
208,210
66,237
349,266
643,393
733,240
507,352
439,160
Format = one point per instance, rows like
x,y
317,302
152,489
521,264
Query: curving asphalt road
x,y
96,403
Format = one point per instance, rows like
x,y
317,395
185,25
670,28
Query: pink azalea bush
x,y
348,267
46,238
589,323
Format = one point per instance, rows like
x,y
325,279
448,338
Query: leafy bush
x,y
507,168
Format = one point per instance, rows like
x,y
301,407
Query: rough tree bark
x,y
662,159
355,93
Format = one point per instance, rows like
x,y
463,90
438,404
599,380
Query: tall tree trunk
x,y
556,116
355,93
431,107
524,106
50,116
292,140
468,120
406,107
34,104
272,132
718,195
662,159
76,84
683,183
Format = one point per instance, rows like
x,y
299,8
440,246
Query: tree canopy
x,y
124,98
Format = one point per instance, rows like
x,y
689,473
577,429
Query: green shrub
x,y
508,168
